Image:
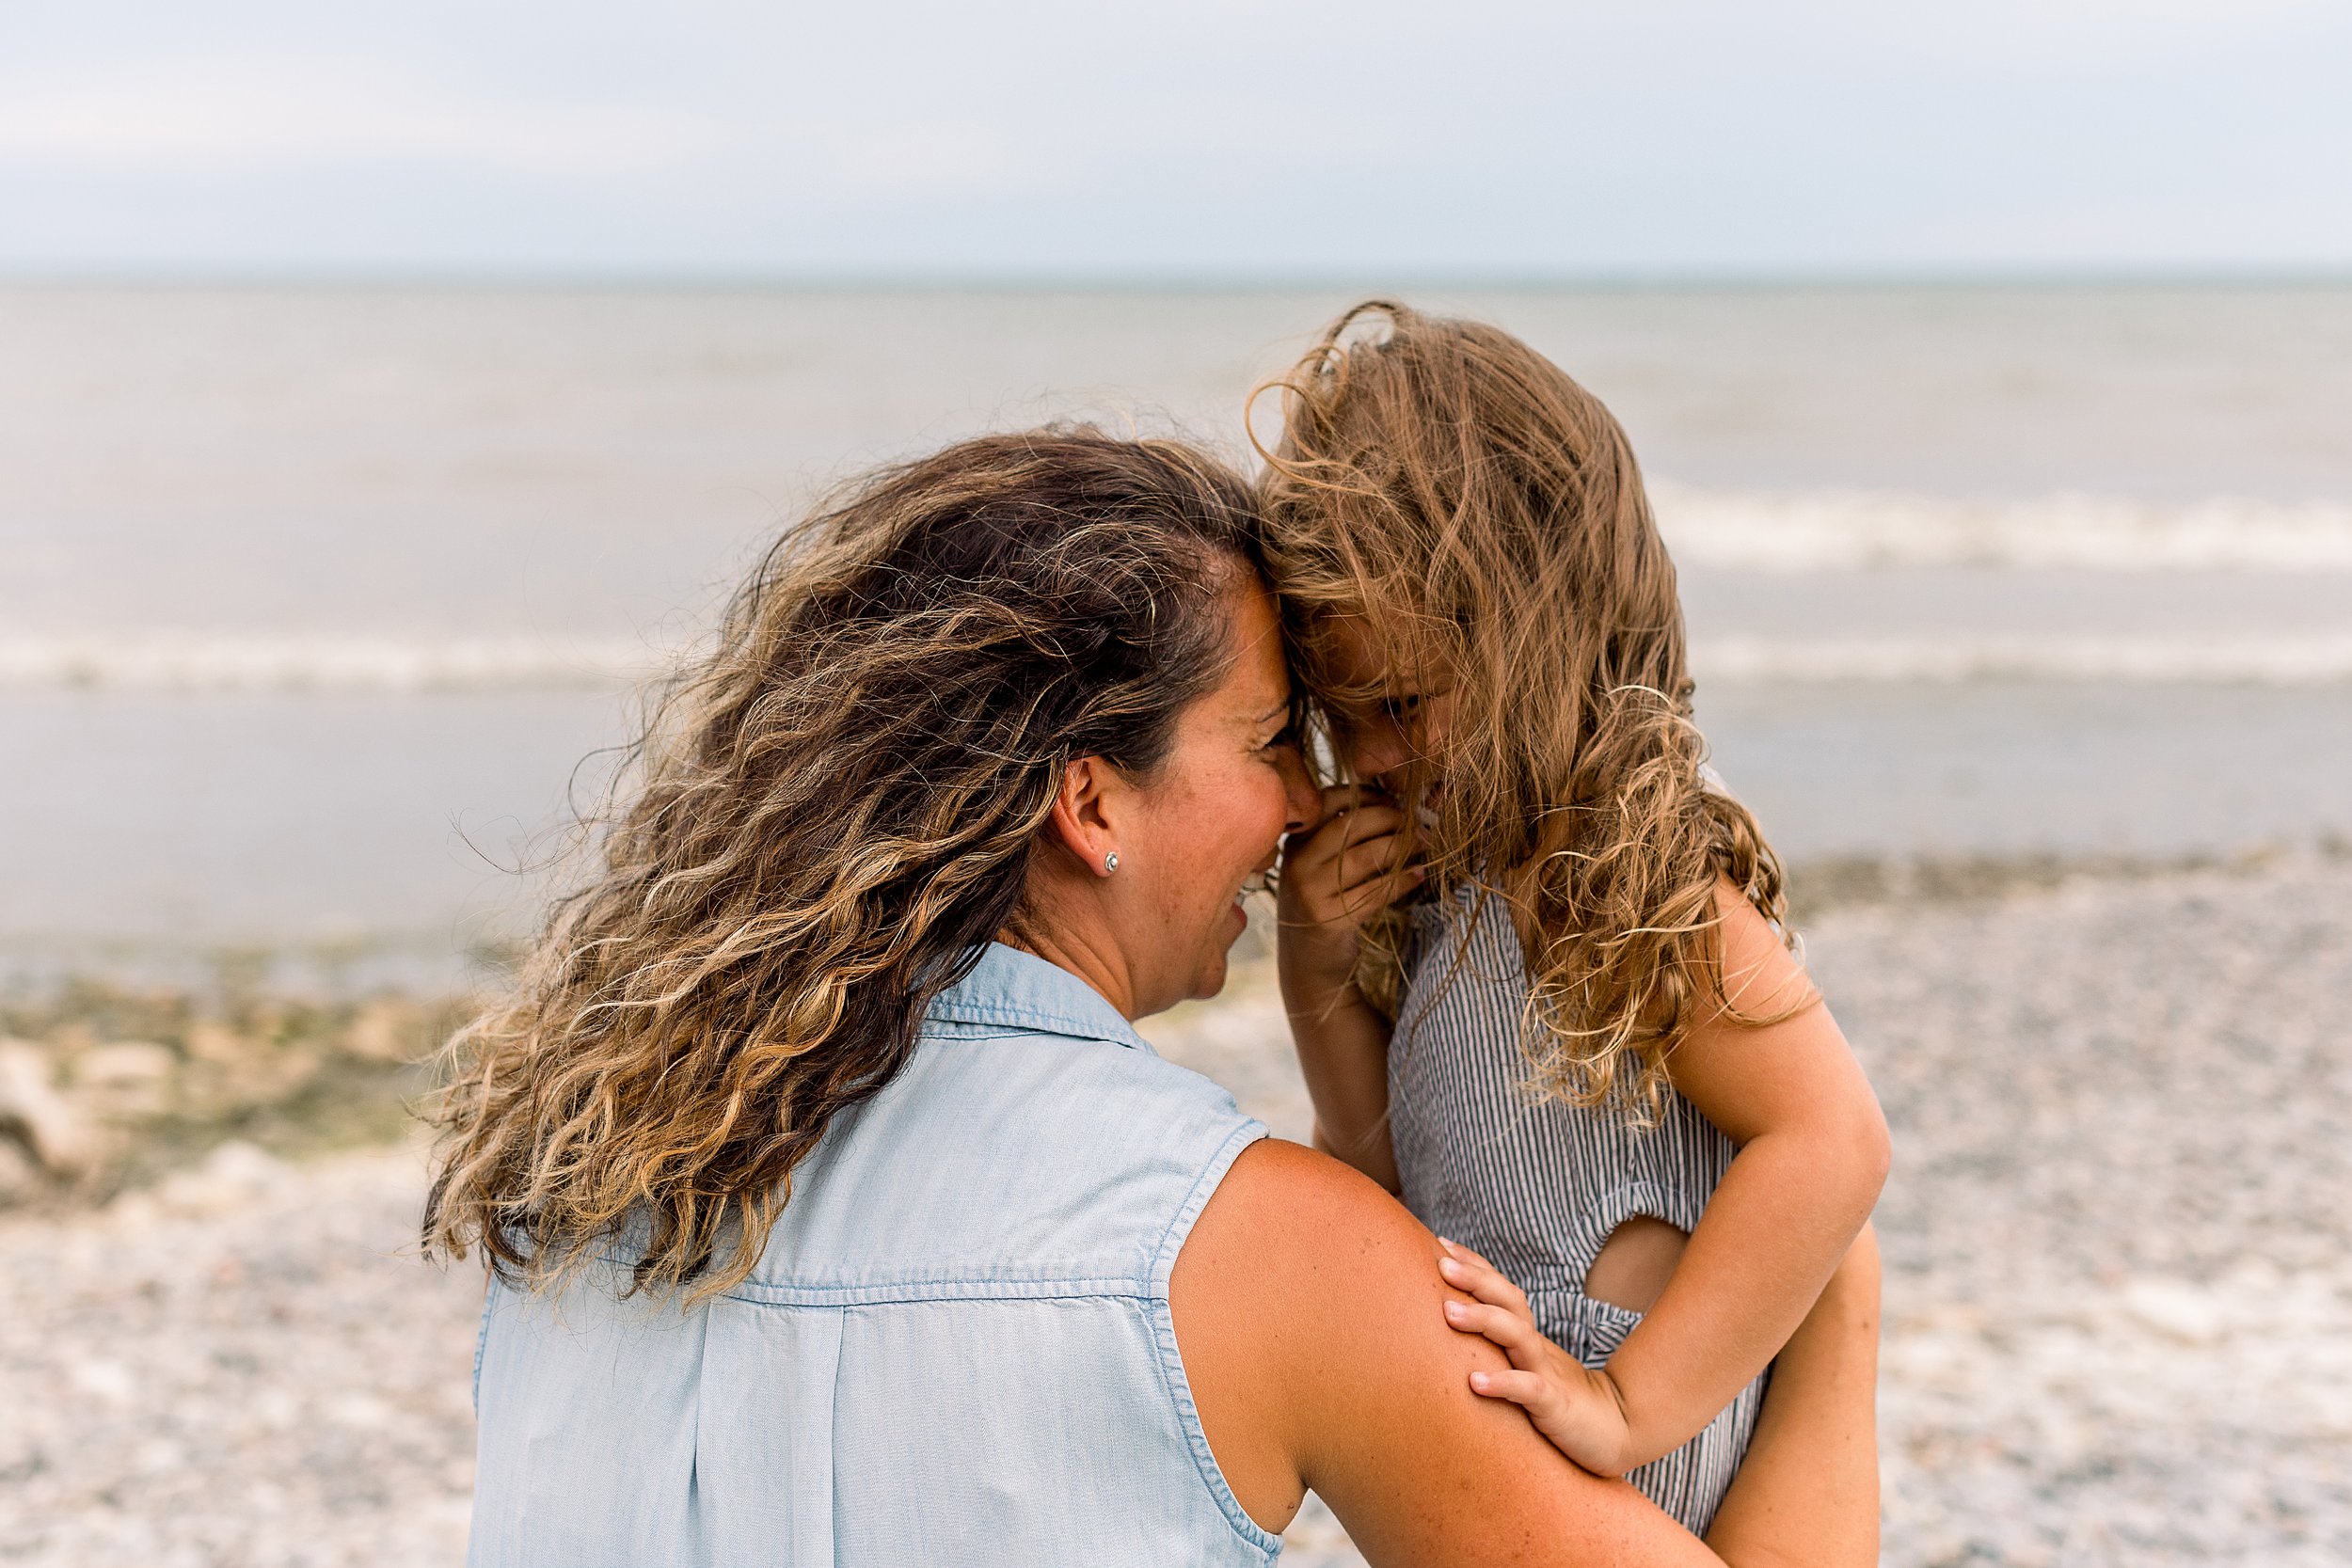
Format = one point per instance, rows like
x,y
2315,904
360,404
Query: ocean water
x,y
312,602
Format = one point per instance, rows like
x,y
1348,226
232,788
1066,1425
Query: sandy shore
x,y
2119,1301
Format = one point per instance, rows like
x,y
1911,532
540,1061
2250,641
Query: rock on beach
x,y
2119,1299
40,1128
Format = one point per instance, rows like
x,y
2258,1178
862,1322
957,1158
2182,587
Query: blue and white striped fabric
x,y
1538,1187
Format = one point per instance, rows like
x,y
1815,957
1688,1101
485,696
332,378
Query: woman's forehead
x,y
1260,675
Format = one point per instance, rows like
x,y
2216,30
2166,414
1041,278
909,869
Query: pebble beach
x,y
2119,1321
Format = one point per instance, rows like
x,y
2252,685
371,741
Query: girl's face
x,y
1408,722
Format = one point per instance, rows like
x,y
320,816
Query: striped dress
x,y
1537,1188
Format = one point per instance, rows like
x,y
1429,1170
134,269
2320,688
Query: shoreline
x,y
139,1067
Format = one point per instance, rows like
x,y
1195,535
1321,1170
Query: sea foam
x,y
1845,530
2316,660
382,664
1826,532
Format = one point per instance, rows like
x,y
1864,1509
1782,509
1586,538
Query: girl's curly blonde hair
x,y
1447,492
832,816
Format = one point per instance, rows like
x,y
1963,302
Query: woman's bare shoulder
x,y
1309,1315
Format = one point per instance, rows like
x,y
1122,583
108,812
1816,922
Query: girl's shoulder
x,y
1762,973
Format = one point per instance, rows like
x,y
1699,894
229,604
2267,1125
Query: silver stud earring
x,y
1110,862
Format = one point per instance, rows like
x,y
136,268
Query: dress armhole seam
x,y
1172,1377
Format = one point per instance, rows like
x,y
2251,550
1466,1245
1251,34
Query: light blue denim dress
x,y
955,1350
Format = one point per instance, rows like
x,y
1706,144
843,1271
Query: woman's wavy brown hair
x,y
1444,488
831,815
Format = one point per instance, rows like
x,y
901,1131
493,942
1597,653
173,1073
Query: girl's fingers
x,y
1344,797
1369,861
1501,1291
1399,880
1515,1334
1382,889
1336,838
1343,800
1342,874
1528,1390
1341,797
1472,1256
1339,808
1474,1276
1365,822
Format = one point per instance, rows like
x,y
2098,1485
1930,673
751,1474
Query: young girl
x,y
1531,955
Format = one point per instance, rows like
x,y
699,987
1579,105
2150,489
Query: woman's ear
x,y
1082,814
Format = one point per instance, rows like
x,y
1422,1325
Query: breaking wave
x,y
1839,531
383,664
2308,660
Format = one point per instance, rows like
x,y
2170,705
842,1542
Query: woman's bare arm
x,y
1814,1460
1309,1315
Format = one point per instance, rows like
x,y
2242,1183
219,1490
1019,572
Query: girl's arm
x,y
1813,1155
1344,1054
1335,876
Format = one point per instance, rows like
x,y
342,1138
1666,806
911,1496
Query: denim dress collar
x,y
1012,992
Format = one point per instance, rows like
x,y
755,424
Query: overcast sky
x,y
1215,139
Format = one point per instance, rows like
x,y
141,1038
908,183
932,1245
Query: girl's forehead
x,y
1353,652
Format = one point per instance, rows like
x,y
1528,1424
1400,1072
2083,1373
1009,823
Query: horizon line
x,y
1198,280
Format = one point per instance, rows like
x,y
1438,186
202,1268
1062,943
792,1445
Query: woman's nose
x,y
1302,803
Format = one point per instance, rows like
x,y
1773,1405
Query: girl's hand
x,y
1572,1404
1335,876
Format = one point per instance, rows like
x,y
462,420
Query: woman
x,y
838,1213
